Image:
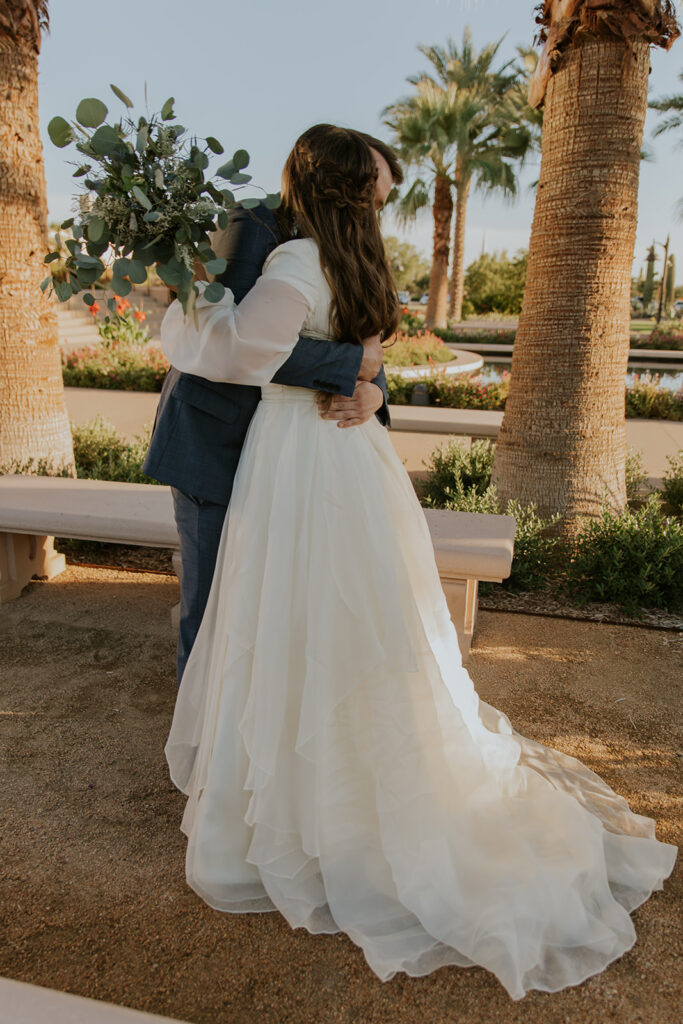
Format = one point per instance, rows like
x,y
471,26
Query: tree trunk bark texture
x,y
462,191
437,305
562,443
33,418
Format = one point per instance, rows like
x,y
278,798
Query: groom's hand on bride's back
x,y
373,355
354,411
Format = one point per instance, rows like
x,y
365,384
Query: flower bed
x,y
488,336
668,338
118,366
645,399
417,349
125,367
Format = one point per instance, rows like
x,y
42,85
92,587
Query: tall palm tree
x,y
491,131
672,106
33,418
562,442
422,127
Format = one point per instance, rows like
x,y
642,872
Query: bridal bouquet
x,y
145,202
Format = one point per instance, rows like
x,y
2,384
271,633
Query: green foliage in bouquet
x,y
146,200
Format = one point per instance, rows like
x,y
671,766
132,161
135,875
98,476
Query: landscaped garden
x,y
125,361
665,337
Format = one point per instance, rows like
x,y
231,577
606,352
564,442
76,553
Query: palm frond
x,y
24,21
408,204
466,112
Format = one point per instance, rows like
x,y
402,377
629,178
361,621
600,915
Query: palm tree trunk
x,y
462,191
562,443
436,312
33,418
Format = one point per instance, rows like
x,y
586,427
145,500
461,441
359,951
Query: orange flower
x,y
139,315
95,308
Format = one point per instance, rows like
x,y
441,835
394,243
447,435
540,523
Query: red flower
x,y
95,308
139,315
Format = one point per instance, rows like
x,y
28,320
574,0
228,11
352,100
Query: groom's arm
x,y
315,363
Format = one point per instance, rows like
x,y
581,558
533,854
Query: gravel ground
x,y
93,894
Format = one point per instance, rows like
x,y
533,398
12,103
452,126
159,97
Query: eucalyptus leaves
x,y
145,201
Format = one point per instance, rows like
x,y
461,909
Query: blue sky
x,y
256,75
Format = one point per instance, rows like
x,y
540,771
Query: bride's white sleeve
x,y
247,343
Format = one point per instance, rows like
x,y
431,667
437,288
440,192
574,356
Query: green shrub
x,y
454,471
646,399
102,454
537,549
417,349
495,284
636,476
664,336
117,366
672,489
125,327
34,467
496,336
460,479
399,389
467,391
411,322
634,559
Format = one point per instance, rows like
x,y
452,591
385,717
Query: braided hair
x,y
328,194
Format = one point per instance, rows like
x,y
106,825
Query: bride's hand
x,y
373,355
352,412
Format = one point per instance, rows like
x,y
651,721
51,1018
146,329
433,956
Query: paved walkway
x,y
416,431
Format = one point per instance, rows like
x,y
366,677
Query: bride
x,y
338,763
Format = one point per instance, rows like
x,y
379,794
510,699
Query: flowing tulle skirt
x,y
338,763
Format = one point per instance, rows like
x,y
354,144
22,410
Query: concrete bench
x,y
33,1004
33,510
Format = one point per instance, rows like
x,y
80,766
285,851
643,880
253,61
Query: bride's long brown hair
x,y
328,194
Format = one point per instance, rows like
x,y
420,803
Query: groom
x,y
201,425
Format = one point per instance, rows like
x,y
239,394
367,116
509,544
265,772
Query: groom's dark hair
x,y
387,152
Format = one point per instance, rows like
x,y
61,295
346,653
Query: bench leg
x,y
24,557
178,567
462,599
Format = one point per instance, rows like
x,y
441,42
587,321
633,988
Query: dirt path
x,y
93,894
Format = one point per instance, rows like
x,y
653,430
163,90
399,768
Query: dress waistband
x,y
282,393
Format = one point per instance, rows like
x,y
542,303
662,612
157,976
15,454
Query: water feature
x,y
670,377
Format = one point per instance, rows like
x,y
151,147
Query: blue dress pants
x,y
200,524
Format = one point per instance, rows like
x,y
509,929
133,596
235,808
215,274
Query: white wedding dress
x,y
338,763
